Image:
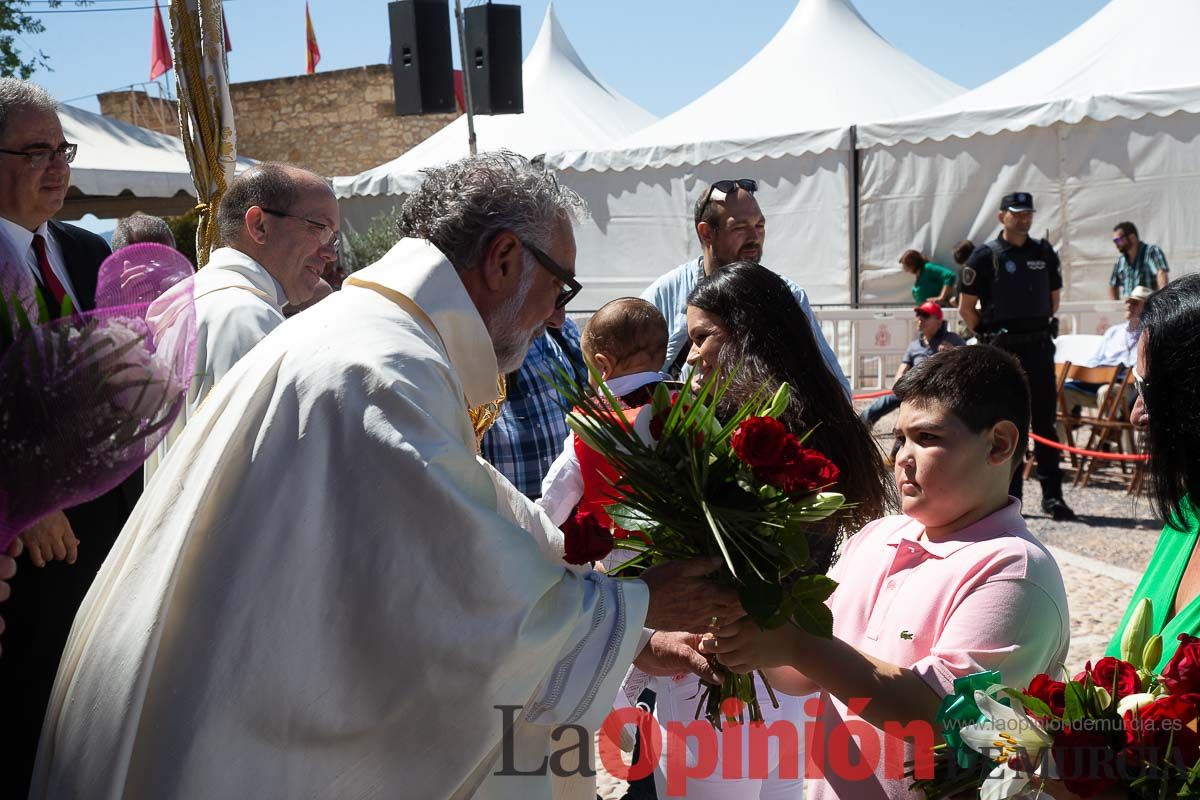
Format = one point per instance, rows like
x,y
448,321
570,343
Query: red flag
x,y
314,52
160,47
225,28
460,99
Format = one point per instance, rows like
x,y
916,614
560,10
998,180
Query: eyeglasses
x,y
725,187
1142,385
328,237
571,287
1119,240
42,156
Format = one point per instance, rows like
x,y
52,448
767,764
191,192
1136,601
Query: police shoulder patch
x,y
968,276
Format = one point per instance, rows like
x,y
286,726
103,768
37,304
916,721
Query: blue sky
x,y
660,53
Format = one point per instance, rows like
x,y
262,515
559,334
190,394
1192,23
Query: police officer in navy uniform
x,y
1017,280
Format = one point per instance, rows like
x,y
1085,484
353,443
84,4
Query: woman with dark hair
x,y
743,320
1170,413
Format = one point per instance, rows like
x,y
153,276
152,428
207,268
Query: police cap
x,y
1017,201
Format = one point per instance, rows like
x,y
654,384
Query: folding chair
x,y
1110,425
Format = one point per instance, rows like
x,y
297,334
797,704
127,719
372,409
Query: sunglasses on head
x,y
725,187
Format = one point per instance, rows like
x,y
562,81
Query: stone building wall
x,y
139,108
334,123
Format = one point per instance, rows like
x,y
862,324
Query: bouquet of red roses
x,y
1117,726
744,489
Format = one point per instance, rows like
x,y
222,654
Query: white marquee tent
x,y
1102,126
566,106
784,119
121,168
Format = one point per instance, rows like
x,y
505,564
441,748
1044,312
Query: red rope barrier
x,y
1090,453
1056,445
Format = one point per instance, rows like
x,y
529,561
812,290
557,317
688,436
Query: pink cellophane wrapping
x,y
85,399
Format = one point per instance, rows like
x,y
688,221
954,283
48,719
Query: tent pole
x,y
853,217
466,73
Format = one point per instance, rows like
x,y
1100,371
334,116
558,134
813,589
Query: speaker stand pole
x,y
466,73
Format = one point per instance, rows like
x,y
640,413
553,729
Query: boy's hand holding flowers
x,y
744,647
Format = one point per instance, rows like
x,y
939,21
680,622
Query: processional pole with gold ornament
x,y
205,110
484,417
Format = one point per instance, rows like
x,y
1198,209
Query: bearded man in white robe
x,y
325,593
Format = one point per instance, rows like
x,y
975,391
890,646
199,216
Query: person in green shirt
x,y
1170,413
933,281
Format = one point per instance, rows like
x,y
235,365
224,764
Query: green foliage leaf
x,y
814,617
1032,704
1076,701
630,519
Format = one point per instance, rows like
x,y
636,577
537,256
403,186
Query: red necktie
x,y
50,281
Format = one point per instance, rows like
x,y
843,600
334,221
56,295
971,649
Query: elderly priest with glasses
x,y
326,593
731,227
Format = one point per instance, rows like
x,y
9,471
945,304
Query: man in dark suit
x,y
47,591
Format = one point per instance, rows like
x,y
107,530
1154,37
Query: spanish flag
x,y
314,52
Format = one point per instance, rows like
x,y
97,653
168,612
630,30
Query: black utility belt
x,y
1005,336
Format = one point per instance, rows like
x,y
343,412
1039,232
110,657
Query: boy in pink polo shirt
x,y
953,586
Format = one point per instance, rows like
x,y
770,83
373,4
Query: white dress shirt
x,y
22,240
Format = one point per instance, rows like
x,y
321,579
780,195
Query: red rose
x,y
585,540
659,420
1051,692
1084,760
761,442
1168,720
800,472
1111,671
1182,674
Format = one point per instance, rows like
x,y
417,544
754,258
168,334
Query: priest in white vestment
x,y
278,228
325,593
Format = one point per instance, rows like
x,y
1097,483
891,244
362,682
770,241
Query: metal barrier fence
x,y
870,342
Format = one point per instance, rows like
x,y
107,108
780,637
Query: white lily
x,y
1007,733
1133,702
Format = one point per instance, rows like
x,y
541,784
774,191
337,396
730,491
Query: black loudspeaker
x,y
422,70
494,58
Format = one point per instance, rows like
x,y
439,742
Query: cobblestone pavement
x,y
1101,555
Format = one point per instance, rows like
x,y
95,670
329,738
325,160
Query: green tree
x,y
183,228
363,249
14,22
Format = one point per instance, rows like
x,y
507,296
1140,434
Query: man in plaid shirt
x,y
1140,264
532,426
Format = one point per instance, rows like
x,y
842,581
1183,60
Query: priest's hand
x,y
672,653
682,599
8,568
51,539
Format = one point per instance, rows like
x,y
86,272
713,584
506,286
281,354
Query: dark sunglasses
x,y
725,187
571,287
